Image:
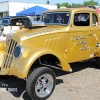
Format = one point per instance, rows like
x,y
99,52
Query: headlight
x,y
18,51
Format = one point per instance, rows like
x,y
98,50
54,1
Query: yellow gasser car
x,y
62,37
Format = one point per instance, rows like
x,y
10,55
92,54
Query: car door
x,y
95,32
80,40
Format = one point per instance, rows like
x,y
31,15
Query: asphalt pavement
x,y
82,84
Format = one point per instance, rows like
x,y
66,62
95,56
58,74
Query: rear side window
x,y
82,19
94,20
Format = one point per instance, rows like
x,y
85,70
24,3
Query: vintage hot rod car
x,y
64,36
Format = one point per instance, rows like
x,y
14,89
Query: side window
x,y
82,19
94,20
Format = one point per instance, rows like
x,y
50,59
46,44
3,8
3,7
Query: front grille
x,y
10,46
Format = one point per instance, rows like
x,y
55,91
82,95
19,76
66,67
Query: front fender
x,y
25,62
2,46
2,50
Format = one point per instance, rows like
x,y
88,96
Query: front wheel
x,y
41,83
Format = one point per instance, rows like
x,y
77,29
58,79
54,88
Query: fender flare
x,y
33,55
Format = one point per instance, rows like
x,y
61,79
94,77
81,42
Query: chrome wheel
x,y
41,83
44,85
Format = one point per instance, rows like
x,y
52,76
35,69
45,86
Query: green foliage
x,y
90,2
76,5
65,4
85,3
58,5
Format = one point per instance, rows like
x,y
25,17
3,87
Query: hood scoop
x,y
29,23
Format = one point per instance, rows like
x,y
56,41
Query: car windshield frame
x,y
52,13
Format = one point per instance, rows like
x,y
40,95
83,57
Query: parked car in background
x,y
5,20
0,20
9,23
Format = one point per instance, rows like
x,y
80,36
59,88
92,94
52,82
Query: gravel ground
x,y
82,84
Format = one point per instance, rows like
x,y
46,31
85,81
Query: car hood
x,y
30,33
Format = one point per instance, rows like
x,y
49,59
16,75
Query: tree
x,y
85,3
76,5
58,5
65,4
90,2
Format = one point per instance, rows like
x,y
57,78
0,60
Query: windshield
x,y
56,18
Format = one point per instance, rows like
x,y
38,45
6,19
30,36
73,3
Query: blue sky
x,y
51,1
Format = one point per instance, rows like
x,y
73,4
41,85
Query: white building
x,y
8,8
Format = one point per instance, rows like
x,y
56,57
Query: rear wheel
x,y
41,83
98,61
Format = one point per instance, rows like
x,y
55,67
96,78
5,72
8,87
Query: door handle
x,y
90,33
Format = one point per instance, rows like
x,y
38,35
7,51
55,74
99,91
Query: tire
x,y
98,61
41,83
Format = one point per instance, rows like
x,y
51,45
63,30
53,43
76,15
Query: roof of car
x,y
70,10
